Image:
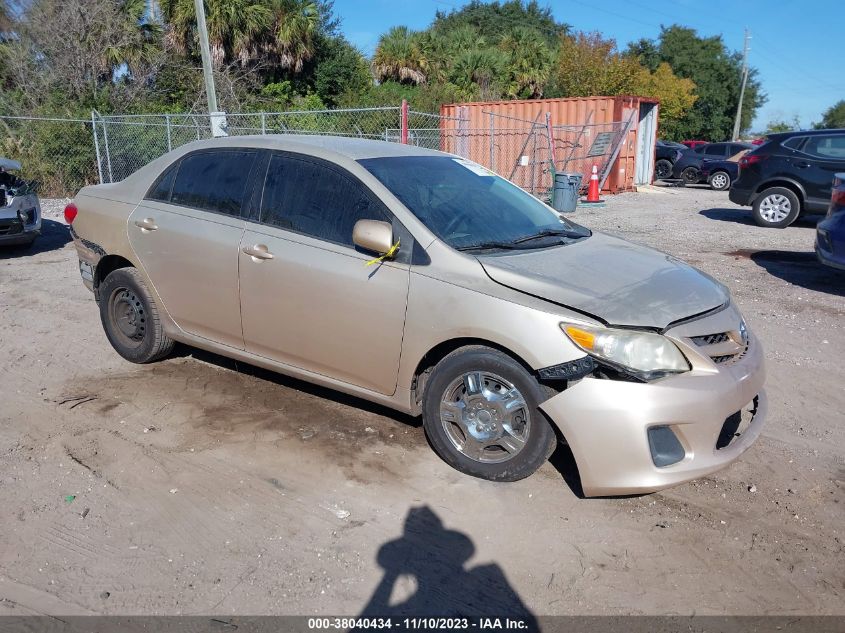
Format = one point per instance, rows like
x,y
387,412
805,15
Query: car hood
x,y
609,278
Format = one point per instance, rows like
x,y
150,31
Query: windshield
x,y
469,207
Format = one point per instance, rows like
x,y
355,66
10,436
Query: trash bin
x,y
565,192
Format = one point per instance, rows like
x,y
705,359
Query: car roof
x,y
780,136
351,147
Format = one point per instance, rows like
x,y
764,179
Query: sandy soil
x,y
195,486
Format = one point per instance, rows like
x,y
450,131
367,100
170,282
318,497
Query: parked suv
x,y
423,281
688,166
665,155
790,175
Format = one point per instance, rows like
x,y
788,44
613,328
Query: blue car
x,y
830,232
719,174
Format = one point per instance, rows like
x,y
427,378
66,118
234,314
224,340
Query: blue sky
x,y
796,44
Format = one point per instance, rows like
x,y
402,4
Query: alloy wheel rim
x,y
720,180
775,208
485,417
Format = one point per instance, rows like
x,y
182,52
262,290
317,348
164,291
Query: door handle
x,y
801,164
257,251
147,224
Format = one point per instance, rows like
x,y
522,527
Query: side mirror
x,y
373,235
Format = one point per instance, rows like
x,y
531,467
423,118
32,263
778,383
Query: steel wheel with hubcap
x,y
480,413
485,417
776,207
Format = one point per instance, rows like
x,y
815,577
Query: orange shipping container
x,y
493,133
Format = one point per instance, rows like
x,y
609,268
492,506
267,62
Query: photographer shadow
x,y
427,565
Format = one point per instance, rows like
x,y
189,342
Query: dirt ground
x,y
198,486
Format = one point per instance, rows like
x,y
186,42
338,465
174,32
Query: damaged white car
x,y
20,211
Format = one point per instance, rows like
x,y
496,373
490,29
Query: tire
x,y
130,318
776,207
662,169
511,440
691,175
720,181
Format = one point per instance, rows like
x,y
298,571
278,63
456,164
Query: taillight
x,y
70,213
751,159
838,197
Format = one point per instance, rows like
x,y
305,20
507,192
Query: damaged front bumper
x,y
606,424
20,220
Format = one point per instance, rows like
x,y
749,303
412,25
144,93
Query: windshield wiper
x,y
548,233
486,245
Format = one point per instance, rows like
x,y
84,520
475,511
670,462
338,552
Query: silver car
x,y
424,282
20,210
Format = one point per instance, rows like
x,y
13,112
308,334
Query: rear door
x,y
308,299
186,234
818,159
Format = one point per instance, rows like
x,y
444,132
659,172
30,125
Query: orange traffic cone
x,y
593,189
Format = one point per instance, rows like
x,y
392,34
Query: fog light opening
x,y
665,447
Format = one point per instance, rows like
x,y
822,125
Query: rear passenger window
x,y
161,189
213,181
831,147
714,150
310,197
794,142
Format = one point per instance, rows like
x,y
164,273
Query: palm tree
x,y
142,38
480,66
398,57
236,28
296,26
529,62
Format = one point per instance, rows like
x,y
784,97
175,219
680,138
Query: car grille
x,y
722,347
11,227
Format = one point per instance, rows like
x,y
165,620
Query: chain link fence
x,y
58,153
64,155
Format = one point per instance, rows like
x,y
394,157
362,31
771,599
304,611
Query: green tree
x,y
494,20
590,65
339,69
833,117
717,75
296,26
398,57
529,63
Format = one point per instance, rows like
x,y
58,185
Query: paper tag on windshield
x,y
474,167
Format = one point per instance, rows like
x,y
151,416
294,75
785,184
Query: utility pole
x,y
745,50
217,119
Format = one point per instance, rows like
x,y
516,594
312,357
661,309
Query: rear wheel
x,y
662,169
691,175
776,207
130,317
480,415
720,181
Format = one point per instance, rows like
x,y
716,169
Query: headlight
x,y
650,355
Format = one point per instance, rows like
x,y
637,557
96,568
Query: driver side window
x,y
310,197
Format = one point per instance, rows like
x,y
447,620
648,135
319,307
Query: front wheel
x,y
480,413
130,317
720,181
776,207
662,169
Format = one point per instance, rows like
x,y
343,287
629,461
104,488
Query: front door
x,y
823,156
308,299
186,234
